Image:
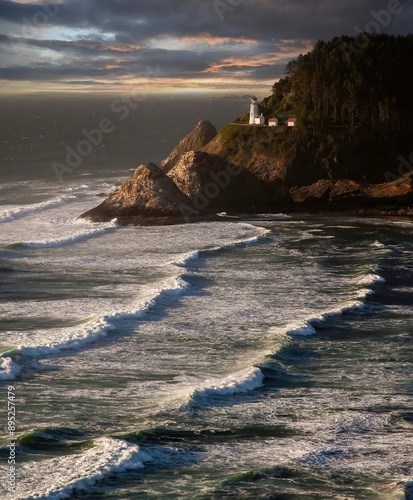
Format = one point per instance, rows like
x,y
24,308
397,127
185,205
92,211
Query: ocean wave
x,y
304,329
370,279
355,305
262,232
257,217
75,338
59,242
198,394
80,230
358,305
59,477
11,214
184,259
377,244
238,383
309,327
8,368
273,216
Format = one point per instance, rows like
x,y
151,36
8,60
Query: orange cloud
x,y
216,40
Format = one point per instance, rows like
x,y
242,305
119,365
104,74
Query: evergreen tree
x,y
349,82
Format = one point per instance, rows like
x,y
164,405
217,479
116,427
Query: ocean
x,y
258,357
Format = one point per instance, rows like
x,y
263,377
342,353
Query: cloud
x,y
190,40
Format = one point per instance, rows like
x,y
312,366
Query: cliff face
x,y
203,133
302,155
149,192
253,148
212,182
257,169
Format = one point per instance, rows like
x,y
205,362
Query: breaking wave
x,y
10,214
62,476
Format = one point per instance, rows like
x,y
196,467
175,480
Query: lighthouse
x,y
255,118
253,110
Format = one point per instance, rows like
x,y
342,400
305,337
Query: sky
x,y
173,46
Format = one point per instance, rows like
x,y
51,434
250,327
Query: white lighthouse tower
x,y
253,111
255,118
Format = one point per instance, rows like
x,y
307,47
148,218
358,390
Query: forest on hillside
x,y
349,82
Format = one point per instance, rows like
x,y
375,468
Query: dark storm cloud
x,y
124,33
146,63
260,20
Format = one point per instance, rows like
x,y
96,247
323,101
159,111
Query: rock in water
x,y
203,133
316,194
347,193
148,193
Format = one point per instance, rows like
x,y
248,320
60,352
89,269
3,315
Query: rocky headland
x,y
351,150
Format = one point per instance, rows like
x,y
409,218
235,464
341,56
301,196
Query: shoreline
x,y
140,220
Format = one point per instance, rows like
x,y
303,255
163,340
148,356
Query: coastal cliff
x,y
350,149
211,182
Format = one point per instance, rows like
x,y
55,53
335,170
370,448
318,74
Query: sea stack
x,y
148,193
199,137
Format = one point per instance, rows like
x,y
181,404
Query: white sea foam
x,y
66,338
302,329
12,213
43,343
8,369
184,259
59,477
269,217
75,238
279,216
355,303
55,230
370,279
306,327
377,244
189,392
103,314
262,232
244,381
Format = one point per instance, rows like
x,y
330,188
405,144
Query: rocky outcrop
x,y
149,193
400,189
347,193
212,182
315,194
203,133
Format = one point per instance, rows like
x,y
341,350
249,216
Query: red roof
x,y
292,119
273,120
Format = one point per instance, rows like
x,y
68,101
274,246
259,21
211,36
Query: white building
x,y
273,122
255,118
292,122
